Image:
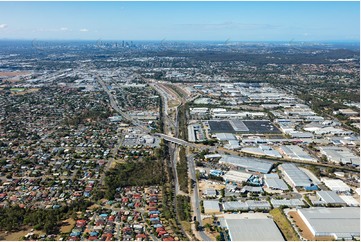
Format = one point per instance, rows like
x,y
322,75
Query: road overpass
x,y
176,140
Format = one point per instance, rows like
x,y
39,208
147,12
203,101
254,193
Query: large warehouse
x,y
296,152
252,230
242,126
340,223
211,206
295,176
236,176
251,164
336,185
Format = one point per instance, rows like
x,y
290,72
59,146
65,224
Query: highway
x,y
196,202
114,105
175,140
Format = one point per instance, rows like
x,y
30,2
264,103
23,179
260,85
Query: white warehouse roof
x,y
297,153
287,202
252,164
336,185
330,197
252,230
350,201
337,222
276,183
236,176
297,177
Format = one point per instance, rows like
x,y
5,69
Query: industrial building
x,y
262,150
211,207
195,133
348,112
340,155
297,153
198,111
251,164
251,189
225,136
350,201
242,126
235,206
236,176
246,206
338,223
252,229
332,131
232,145
258,205
291,203
295,176
328,198
210,192
276,184
336,185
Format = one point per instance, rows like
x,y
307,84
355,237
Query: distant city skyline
x,y
193,21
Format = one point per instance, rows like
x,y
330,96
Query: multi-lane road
x,y
195,197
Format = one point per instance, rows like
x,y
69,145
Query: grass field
x,y
17,89
16,236
67,226
22,91
285,225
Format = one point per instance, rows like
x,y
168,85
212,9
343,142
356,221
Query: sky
x,y
218,21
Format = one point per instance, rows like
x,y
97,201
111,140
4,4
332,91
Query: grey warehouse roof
x,y
330,197
338,222
225,136
289,203
234,206
211,204
276,183
252,164
252,230
297,177
252,204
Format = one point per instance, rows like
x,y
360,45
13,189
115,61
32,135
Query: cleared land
x,y
16,236
22,91
284,225
11,74
67,225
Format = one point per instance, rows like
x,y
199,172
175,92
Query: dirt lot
x,y
31,90
67,225
19,235
10,74
306,233
203,185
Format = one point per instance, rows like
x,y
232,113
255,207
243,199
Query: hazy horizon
x,y
182,21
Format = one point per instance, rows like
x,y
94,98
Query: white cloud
x,y
3,26
83,30
64,29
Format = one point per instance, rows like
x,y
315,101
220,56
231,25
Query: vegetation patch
x,y
285,226
182,170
